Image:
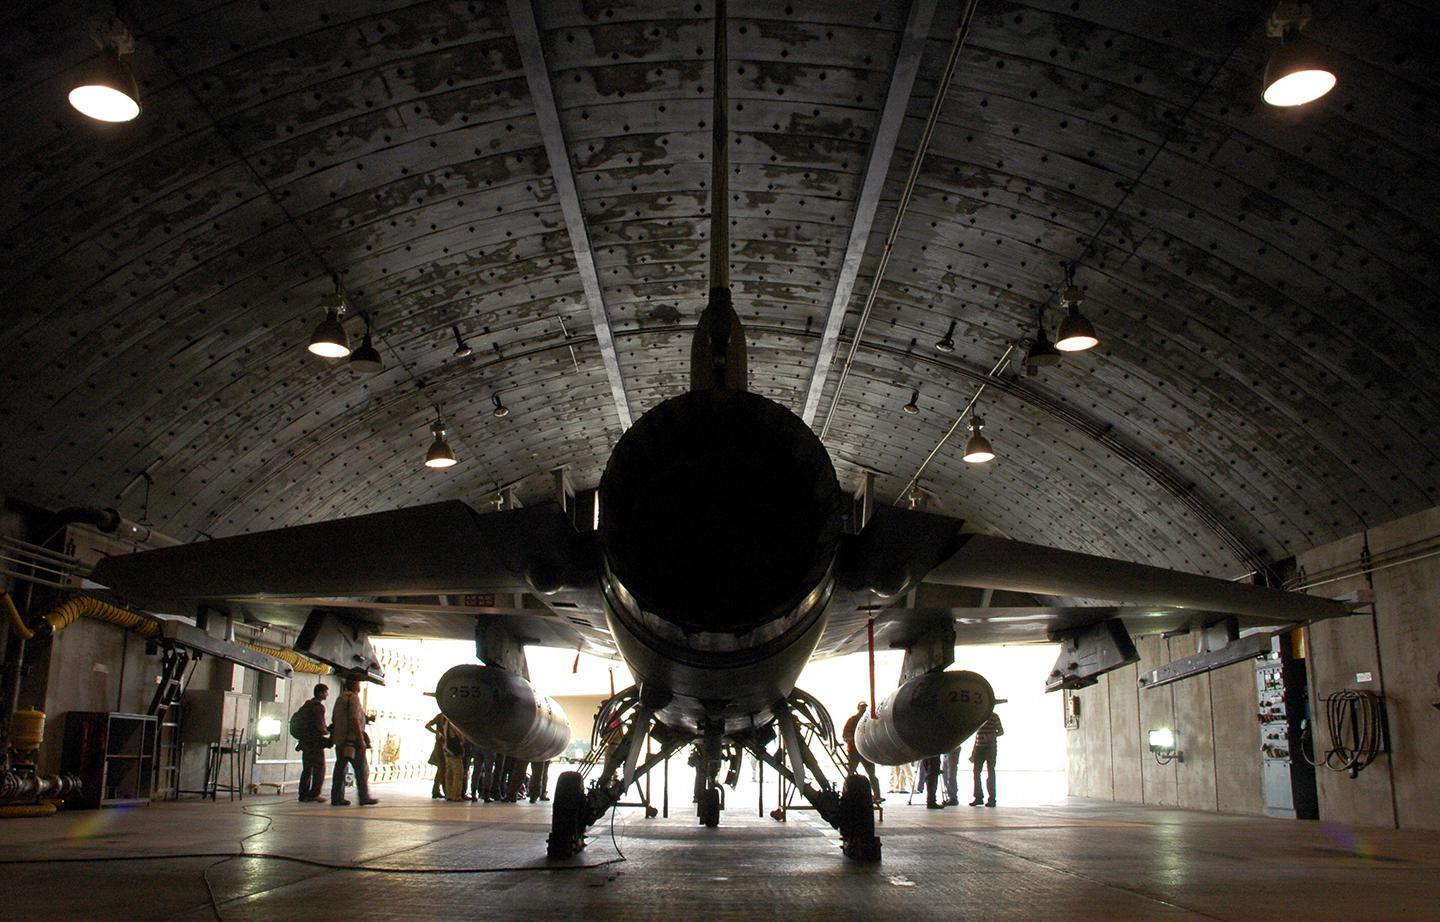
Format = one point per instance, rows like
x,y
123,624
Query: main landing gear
x,y
806,735
619,746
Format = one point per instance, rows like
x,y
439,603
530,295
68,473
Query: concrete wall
x,y
1214,714
1400,646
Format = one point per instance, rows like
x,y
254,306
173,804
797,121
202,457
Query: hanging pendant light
x,y
1297,72
462,348
501,411
1042,352
366,360
330,339
439,455
947,343
977,448
913,407
106,90
1075,333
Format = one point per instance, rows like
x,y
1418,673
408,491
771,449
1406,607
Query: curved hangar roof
x,y
1263,280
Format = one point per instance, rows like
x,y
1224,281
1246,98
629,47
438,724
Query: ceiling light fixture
x,y
1042,352
106,90
977,448
501,411
330,339
462,349
947,343
912,407
1075,334
366,360
1297,72
439,456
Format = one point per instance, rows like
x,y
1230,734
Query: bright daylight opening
x,y
1030,768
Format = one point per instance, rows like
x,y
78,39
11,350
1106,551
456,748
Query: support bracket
x,y
1089,652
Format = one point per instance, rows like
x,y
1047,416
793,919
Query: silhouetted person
x,y
348,733
950,769
983,755
313,736
856,760
930,768
539,781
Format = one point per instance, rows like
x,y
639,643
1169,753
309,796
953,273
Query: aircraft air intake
x,y
719,511
929,715
499,712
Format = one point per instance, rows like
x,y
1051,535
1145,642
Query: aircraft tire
x,y
857,820
710,808
567,820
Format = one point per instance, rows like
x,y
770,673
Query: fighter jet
x,y
726,556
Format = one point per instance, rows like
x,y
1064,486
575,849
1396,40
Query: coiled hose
x,y
1356,723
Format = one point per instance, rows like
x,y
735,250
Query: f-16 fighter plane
x,y
726,556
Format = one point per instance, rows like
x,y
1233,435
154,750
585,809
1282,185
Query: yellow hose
x,y
17,623
72,610
296,660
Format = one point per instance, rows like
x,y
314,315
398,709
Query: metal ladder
x,y
166,707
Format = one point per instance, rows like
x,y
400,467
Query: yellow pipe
x,y
299,662
72,610
17,623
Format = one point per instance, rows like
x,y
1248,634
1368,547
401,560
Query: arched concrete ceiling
x,y
1263,280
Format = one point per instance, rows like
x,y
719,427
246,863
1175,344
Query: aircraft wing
x,y
566,628
438,548
899,549
372,568
898,628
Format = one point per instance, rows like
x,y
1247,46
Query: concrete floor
x,y
1074,861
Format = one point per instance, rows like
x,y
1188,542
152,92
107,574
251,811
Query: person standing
x,y
539,781
348,733
308,726
856,761
983,755
930,773
951,770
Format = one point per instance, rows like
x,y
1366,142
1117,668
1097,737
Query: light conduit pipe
x,y
962,31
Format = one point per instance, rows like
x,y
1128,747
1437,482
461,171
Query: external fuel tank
x,y
500,712
929,715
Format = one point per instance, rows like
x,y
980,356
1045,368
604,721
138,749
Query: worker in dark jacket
x,y
313,737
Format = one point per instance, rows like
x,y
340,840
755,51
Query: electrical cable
x,y
1355,721
316,863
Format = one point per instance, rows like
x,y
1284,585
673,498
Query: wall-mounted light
x,y
977,447
330,339
462,348
1075,333
366,360
912,407
267,730
501,411
1164,746
439,456
947,342
105,89
1297,72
